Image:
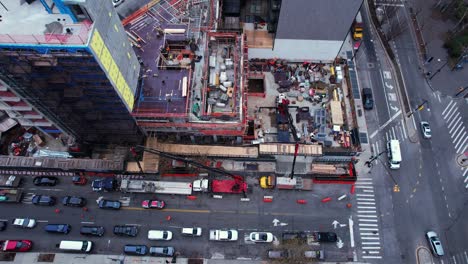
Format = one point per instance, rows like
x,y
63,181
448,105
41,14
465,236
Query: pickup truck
x,y
223,235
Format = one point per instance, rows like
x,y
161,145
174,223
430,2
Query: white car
x,y
263,237
192,231
425,129
116,3
434,241
159,235
24,222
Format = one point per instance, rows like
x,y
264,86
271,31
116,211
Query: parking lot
x,y
281,215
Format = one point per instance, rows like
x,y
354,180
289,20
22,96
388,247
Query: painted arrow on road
x,y
394,108
340,243
335,224
389,86
275,222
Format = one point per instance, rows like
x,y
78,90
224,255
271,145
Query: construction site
x,y
201,93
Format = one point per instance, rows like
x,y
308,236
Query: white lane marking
x,y
366,212
449,124
390,120
404,129
89,223
351,230
141,225
443,112
455,141
466,256
386,135
373,134
371,191
377,147
448,113
3,220
42,221
393,133
365,199
364,187
386,99
438,98
368,216
365,195
454,259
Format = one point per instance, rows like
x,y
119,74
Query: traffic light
x,y
396,188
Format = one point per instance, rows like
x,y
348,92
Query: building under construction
x,y
67,67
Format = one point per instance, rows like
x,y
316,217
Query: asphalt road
x,y
205,212
433,195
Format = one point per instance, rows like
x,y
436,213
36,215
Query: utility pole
x,y
438,70
460,90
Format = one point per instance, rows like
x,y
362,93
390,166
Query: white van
x,y
394,154
75,245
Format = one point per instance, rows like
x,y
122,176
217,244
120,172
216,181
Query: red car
x,y
15,245
153,204
79,180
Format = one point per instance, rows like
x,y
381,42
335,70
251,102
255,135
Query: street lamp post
x,y
438,70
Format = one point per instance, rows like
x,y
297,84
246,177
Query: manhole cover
x,y
46,258
370,65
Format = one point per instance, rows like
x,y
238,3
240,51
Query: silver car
x,y
434,241
425,129
162,251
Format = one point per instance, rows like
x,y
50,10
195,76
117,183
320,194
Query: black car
x,y
74,201
136,249
367,99
45,181
325,236
109,204
92,230
294,236
126,230
3,225
43,200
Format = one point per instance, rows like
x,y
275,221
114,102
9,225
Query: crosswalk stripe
x,y
370,247
457,117
364,187
443,112
461,146
373,257
368,234
466,170
365,199
366,207
393,133
368,203
363,183
371,243
463,149
368,229
455,132
362,224
368,216
456,127
365,195
450,120
448,113
366,211
386,135
377,147
455,141
364,179
370,238
374,252
368,220
371,191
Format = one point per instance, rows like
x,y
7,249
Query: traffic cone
x,y
168,218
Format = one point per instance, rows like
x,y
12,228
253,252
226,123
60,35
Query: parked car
x,y
79,180
434,241
3,225
153,204
109,204
136,250
43,200
116,3
159,235
58,228
126,230
325,236
92,230
192,231
74,201
15,245
367,98
45,181
162,251
261,237
24,222
314,254
277,254
294,236
426,129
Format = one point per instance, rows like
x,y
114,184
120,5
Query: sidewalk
x,y
31,258
434,26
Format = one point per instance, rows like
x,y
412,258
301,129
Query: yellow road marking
x,y
170,210
210,211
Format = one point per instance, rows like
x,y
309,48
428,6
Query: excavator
x,y
235,186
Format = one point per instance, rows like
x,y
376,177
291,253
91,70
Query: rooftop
x,y
32,24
